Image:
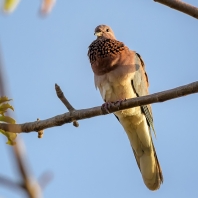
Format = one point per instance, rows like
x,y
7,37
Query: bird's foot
x,y
107,105
118,102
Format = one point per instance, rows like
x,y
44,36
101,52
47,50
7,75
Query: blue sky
x,y
96,160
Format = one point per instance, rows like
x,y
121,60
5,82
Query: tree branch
x,y
11,184
96,111
30,186
181,6
61,96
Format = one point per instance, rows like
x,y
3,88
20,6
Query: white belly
x,y
116,85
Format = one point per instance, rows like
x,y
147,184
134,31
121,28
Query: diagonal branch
x,y
61,96
30,186
96,111
181,6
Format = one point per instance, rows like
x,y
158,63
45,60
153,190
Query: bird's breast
x,y
116,85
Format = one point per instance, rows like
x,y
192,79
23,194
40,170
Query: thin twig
x,y
61,96
96,111
181,6
40,132
10,184
44,179
64,100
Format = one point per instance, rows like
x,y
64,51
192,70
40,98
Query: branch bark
x,y
61,96
31,187
96,111
181,6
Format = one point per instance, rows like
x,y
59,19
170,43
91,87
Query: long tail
x,y
150,169
139,135
142,145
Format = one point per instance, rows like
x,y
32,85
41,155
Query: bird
x,y
119,74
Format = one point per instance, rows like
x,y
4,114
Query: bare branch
x,y
96,111
61,96
10,184
44,179
181,6
30,186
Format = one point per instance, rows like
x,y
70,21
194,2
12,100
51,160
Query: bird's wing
x,y
140,86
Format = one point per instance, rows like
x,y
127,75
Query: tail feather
x,y
138,131
150,169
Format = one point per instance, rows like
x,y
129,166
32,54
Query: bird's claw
x,y
107,105
118,102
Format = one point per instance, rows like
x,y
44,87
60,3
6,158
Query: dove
x,y
119,74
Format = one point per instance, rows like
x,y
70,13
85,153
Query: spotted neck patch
x,y
101,48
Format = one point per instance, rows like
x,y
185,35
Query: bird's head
x,y
104,31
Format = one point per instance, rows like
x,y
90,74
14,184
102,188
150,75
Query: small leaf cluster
x,y
4,106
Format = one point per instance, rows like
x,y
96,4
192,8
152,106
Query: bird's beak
x,y
98,34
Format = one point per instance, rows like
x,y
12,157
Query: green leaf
x,y
7,119
4,99
10,5
5,107
10,136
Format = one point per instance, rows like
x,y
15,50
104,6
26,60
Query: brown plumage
x,y
119,73
101,49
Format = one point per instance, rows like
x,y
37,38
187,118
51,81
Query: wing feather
x,y
140,86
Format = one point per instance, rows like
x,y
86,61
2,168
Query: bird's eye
x,y
107,30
